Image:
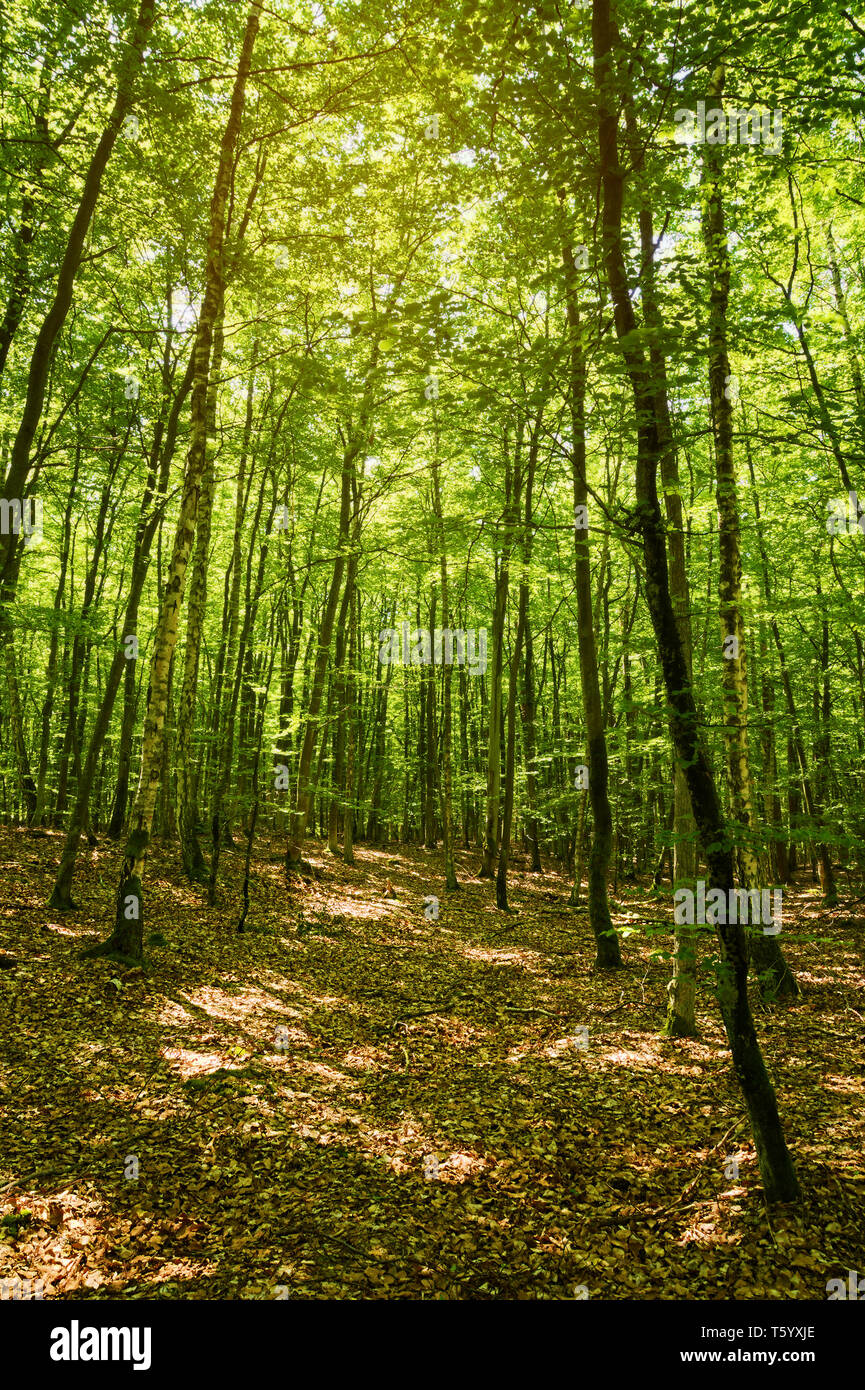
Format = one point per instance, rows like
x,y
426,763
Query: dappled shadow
x,y
358,1101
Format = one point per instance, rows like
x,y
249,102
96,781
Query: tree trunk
x,y
192,859
494,737
51,669
827,873
127,937
150,520
351,730
302,797
16,718
773,972
447,674
43,349
776,1166
681,1020
608,953
516,658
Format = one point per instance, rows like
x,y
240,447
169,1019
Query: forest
x,y
432,650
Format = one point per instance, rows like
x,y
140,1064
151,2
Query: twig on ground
x,y
693,1183
517,1009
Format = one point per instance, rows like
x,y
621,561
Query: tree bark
x,y
447,673
824,862
191,857
774,974
516,660
494,736
127,936
608,953
303,791
351,731
776,1167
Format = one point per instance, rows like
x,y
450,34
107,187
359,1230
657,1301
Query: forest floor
x,y
352,1101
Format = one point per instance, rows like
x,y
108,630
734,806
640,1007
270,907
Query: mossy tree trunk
x,y
681,1016
191,857
127,937
776,1166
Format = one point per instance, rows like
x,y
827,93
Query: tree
x,y
127,936
776,1167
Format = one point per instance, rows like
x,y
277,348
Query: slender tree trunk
x,y
127,937
608,953
150,521
447,674
771,798
467,762
256,770
375,827
232,713
528,713
336,695
494,738
16,717
43,349
428,769
192,859
774,973
303,790
681,1019
51,670
516,654
776,1167
351,740
827,873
